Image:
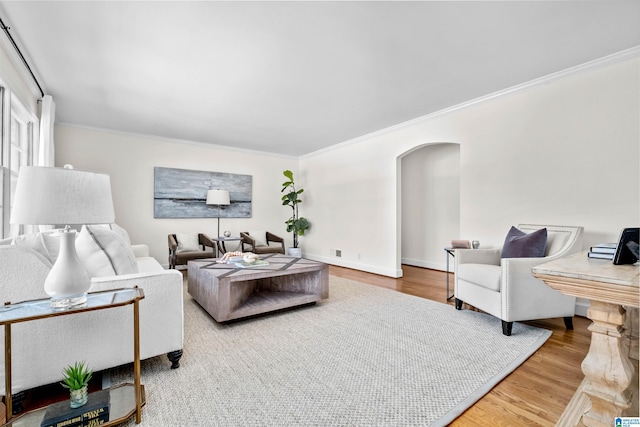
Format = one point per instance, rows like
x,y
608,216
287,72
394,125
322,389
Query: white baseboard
x,y
582,305
427,264
356,266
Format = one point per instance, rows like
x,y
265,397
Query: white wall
x,y
565,151
15,77
430,194
130,159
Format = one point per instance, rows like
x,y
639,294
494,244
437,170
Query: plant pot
x,y
296,252
78,397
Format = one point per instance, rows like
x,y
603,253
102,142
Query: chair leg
x,y
568,322
507,327
459,304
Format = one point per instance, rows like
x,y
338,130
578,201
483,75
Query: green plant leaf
x,y
76,376
288,174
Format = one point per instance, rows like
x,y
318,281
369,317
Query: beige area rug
x,y
366,356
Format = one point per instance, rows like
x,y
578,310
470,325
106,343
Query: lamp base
x,y
65,302
68,281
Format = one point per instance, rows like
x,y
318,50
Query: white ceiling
x,y
295,77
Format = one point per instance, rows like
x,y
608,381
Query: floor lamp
x,y
218,198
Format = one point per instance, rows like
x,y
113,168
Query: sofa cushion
x,y
485,275
148,264
187,242
104,252
260,236
519,244
556,240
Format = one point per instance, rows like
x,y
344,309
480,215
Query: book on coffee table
x,y
258,263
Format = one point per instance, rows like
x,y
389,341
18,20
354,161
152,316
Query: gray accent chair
x,y
506,288
176,257
249,244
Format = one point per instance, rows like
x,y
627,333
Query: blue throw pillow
x,y
519,244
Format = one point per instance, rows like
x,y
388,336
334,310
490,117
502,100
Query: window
x,y
18,135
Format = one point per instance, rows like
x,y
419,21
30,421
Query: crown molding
x,y
625,55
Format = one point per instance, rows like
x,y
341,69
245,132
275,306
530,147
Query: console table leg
x,y
607,366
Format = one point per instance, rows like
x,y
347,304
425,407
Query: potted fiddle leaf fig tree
x,y
295,224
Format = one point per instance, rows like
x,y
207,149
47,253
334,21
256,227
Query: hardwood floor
x,y
537,392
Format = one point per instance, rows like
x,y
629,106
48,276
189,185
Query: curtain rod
x,y
13,42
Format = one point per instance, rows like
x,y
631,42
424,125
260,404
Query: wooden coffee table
x,y
228,292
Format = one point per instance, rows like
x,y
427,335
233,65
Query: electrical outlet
x,y
338,253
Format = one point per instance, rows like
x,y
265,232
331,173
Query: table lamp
x,y
63,196
218,197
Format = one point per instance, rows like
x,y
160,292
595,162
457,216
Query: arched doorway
x,y
430,203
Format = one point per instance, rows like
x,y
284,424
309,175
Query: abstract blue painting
x,y
181,193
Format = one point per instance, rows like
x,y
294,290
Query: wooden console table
x,y
608,389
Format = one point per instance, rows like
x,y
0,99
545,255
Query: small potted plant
x,y
296,223
76,379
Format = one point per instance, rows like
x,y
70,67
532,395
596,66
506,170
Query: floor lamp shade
x,y
218,197
63,196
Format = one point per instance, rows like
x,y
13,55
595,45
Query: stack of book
x,y
94,413
460,244
603,251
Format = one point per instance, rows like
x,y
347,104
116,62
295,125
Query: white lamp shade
x,y
218,197
61,196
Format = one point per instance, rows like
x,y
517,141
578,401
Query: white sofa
x,y
104,338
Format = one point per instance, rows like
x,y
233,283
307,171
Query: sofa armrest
x,y
246,239
205,241
161,310
528,297
140,251
478,256
173,244
273,238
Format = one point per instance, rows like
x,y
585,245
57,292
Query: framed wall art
x,y
181,193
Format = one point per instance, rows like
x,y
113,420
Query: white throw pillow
x,y
260,236
52,243
121,231
45,242
115,227
187,242
34,241
104,252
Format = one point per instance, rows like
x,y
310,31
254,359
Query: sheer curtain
x,y
45,155
46,152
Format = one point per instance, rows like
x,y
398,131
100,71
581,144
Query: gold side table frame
x,y
40,309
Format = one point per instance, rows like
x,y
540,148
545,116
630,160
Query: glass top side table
x,y
220,243
41,309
